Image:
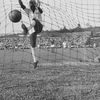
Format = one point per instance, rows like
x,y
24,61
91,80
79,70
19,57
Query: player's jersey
x,y
32,15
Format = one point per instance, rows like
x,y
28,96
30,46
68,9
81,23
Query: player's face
x,y
32,2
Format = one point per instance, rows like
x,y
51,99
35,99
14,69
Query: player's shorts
x,y
38,28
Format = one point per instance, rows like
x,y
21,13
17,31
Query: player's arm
x,y
21,4
40,10
38,6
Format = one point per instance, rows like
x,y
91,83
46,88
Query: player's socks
x,y
35,64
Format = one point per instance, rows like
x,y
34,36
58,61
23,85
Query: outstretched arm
x,y
38,6
21,4
40,10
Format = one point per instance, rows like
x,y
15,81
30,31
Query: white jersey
x,y
32,15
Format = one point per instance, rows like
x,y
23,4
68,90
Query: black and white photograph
x,y
49,49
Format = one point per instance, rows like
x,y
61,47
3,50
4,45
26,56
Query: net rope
x,y
58,15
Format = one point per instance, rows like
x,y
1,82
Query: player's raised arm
x,y
38,2
38,6
21,4
40,10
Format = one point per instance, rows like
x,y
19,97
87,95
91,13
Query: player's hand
x,y
38,3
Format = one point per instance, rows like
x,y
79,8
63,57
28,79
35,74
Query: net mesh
x,y
72,24
67,50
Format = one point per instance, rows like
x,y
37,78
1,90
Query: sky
x,y
56,14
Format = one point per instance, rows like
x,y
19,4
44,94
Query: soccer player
x,y
34,11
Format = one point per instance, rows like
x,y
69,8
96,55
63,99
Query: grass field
x,y
44,55
60,75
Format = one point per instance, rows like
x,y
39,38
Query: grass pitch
x,y
65,81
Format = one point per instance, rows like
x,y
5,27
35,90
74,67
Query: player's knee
x,y
25,30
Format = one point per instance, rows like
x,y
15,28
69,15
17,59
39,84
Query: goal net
x,y
70,34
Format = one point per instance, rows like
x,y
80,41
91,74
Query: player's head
x,y
32,2
32,5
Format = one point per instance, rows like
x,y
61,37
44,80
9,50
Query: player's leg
x,y
33,54
37,28
26,29
33,45
33,38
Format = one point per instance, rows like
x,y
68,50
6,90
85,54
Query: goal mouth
x,y
70,36
68,51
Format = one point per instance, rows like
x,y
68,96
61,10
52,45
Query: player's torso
x,y
32,15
